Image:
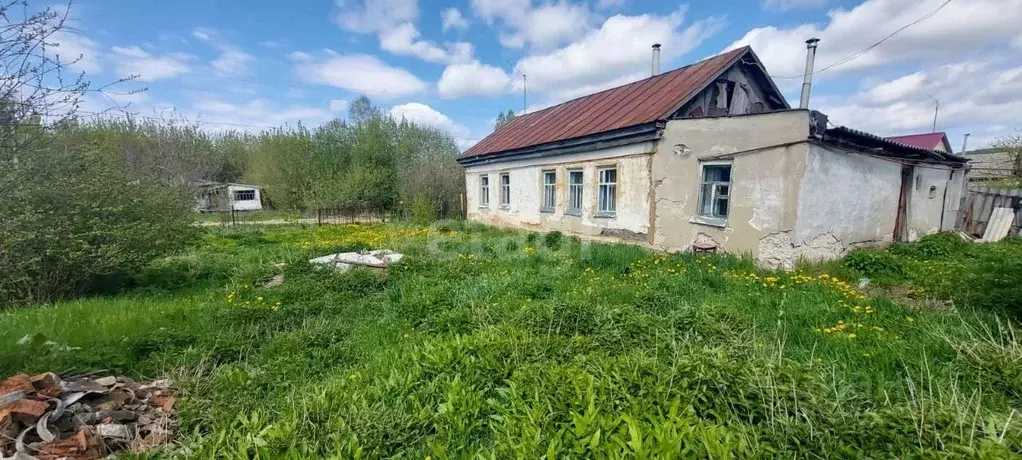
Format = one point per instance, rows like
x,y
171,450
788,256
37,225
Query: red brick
x,y
47,384
26,411
17,382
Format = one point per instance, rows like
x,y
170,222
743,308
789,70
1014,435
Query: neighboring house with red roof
x,y
709,157
930,141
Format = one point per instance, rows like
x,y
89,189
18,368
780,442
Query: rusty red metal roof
x,y
633,104
929,141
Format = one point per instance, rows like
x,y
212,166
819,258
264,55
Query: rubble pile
x,y
378,260
45,417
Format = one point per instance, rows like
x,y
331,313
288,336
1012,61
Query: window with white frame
x,y
549,187
575,192
505,190
715,193
607,188
484,191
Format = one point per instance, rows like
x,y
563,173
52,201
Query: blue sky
x,y
250,65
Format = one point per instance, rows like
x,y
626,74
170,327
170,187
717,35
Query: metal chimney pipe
x,y
807,80
965,142
655,67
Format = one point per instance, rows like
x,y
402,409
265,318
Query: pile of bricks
x,y
45,417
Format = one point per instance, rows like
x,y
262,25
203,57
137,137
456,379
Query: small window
x,y
549,186
484,191
575,192
715,194
505,190
607,192
244,195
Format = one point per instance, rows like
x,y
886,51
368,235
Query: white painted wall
x,y
929,184
246,205
848,195
633,207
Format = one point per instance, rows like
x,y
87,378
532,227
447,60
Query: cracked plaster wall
x,y
765,183
632,217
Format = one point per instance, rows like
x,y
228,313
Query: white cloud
x,y
133,60
903,105
403,39
607,4
425,115
453,19
589,63
544,26
253,115
370,16
491,10
472,79
551,25
338,105
232,62
358,73
785,5
958,28
201,34
1017,42
76,50
393,22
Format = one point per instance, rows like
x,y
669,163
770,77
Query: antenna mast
x,y
525,93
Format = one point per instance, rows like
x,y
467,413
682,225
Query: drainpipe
x,y
965,142
807,80
655,65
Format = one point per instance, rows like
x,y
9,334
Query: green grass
x,y
499,344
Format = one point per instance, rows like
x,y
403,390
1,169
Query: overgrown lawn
x,y
510,345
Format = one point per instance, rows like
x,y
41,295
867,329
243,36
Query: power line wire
x,y
870,47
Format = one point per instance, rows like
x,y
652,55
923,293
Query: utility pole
x,y
936,108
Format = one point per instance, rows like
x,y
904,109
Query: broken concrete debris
x,y
379,259
45,417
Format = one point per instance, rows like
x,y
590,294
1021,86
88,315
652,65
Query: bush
x,y
75,221
878,265
553,239
933,246
423,211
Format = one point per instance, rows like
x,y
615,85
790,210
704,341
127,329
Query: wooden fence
x,y
979,204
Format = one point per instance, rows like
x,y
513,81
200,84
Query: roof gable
x,y
642,102
930,141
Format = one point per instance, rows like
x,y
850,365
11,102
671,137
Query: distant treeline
x,y
87,204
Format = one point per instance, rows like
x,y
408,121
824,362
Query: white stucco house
x,y
710,157
217,196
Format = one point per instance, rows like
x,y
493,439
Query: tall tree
x,y
503,118
1012,145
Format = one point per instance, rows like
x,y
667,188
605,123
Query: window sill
x,y
573,212
484,208
546,210
505,207
720,222
606,215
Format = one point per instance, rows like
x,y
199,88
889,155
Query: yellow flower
x,y
851,336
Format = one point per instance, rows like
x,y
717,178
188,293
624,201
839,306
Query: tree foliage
x,y
1012,144
82,205
503,118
